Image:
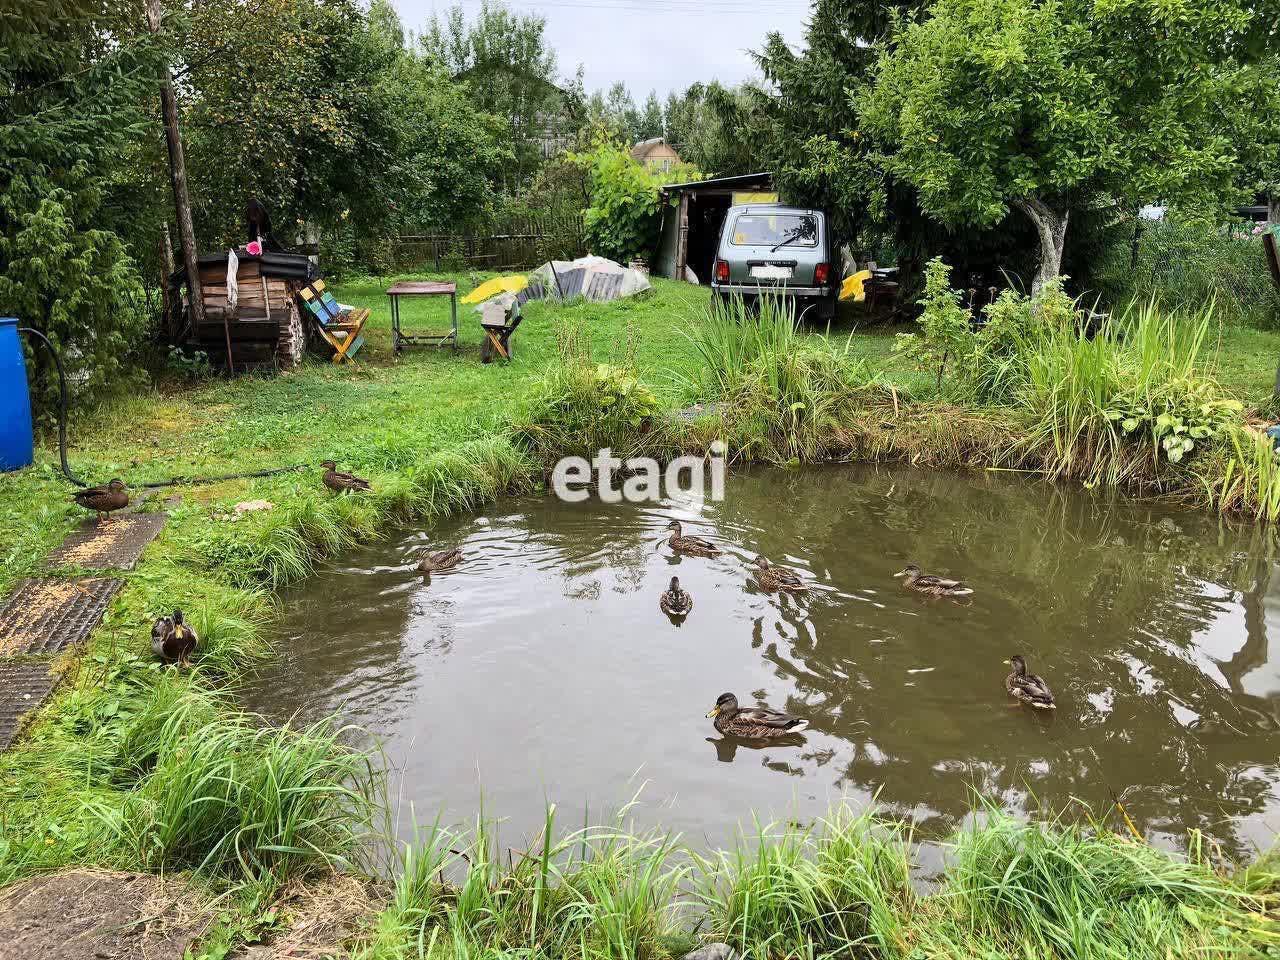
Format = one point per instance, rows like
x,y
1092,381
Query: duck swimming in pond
x,y
440,560
1027,687
913,579
694,546
676,602
753,723
773,578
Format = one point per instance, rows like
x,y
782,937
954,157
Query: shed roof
x,y
743,181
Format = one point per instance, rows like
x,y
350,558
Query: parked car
x,y
771,248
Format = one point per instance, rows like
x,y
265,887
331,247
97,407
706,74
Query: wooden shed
x,y
253,313
691,217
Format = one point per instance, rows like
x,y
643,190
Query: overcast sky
x,y
658,45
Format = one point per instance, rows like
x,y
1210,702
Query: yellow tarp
x,y
512,284
851,289
744,196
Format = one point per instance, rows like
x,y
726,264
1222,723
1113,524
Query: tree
x,y
1041,105
511,72
811,135
650,119
77,97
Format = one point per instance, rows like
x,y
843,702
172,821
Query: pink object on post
x,y
254,249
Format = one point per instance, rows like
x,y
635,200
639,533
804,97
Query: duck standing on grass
x,y
676,602
441,560
933,586
1027,687
172,640
778,578
341,482
693,546
752,723
103,500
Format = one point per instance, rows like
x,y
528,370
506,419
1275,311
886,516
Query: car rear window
x,y
770,229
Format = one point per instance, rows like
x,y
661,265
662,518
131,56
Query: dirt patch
x,y
100,914
320,919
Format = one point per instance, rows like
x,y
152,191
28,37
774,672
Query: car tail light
x,y
822,273
722,270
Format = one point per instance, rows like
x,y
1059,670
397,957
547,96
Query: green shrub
x,y
581,407
784,392
1114,405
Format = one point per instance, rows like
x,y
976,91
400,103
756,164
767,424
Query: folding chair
x,y
340,329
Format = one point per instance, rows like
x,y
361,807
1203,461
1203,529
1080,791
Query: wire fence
x,y
1191,263
511,245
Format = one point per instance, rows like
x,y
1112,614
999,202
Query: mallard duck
x,y
103,500
172,640
933,586
753,723
773,578
441,560
676,602
341,481
694,546
1027,687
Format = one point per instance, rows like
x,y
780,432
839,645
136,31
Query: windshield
x,y
768,229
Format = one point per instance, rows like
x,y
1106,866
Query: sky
x,y
661,45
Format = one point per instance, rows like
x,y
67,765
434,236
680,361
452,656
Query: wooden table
x,y
423,288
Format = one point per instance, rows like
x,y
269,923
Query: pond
x,y
541,668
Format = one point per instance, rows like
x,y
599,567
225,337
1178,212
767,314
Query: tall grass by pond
x,y
840,888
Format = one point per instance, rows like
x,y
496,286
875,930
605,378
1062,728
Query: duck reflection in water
x,y
727,748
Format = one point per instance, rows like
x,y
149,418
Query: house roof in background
x,y
646,147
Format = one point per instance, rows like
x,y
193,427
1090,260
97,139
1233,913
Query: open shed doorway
x,y
706,214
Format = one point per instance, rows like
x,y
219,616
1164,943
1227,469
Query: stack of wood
x,y
257,313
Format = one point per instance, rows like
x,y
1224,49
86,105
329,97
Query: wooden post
x,y
178,173
166,267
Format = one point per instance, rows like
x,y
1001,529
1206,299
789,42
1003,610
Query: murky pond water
x,y
542,669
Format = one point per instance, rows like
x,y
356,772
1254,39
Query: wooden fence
x,y
509,246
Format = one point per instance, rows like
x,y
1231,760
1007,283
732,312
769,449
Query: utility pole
x,y
178,173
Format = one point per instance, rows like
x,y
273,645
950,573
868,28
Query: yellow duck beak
x,y
713,712
1008,662
901,573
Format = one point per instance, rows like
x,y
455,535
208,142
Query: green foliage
x,y
624,214
74,103
1112,406
1026,889
783,394
985,105
1191,257
581,407
836,889
509,71
600,893
945,326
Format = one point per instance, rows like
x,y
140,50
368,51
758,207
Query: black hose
x,y
62,434
62,404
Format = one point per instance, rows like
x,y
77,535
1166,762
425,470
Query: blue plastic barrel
x,y
15,400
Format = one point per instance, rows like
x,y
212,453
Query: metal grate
x,y
114,545
24,685
46,615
